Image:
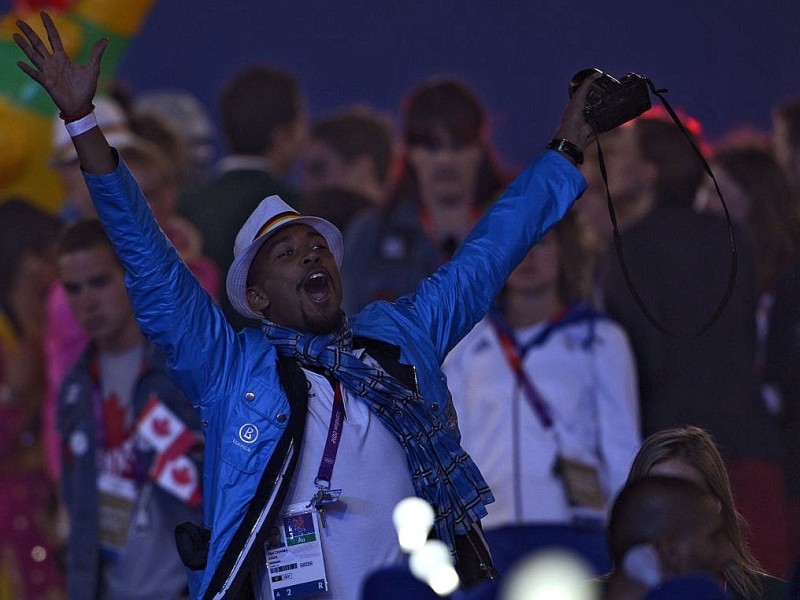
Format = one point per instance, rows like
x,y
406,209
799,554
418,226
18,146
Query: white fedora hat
x,y
271,214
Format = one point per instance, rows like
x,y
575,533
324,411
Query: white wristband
x,y
82,125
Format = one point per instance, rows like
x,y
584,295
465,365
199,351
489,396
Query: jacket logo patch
x,y
248,433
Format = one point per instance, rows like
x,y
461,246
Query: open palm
x,y
71,86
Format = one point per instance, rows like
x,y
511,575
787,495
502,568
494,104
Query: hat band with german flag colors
x,y
270,215
276,221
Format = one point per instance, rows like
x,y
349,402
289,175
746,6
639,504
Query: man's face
x,y
295,281
94,282
447,171
323,168
630,178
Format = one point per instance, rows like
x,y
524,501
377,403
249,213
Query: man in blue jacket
x,y
318,424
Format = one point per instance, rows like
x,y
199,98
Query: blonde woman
x,y
691,453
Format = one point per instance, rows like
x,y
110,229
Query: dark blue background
x,y
725,62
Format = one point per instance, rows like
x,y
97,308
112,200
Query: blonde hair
x,y
696,447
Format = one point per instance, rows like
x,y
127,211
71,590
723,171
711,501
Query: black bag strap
x,y
618,237
294,384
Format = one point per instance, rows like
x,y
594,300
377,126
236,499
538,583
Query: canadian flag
x,y
180,478
165,433
159,427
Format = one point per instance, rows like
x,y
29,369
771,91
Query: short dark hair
x,y
84,235
255,102
648,508
679,171
443,102
357,132
448,103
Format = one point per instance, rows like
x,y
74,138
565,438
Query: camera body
x,y
611,102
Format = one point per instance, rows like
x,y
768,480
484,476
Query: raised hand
x,y
72,87
574,126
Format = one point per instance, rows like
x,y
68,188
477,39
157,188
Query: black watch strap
x,y
566,147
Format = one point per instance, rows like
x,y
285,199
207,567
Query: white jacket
x,y
585,373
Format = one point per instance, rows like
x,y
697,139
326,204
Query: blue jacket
x,y
232,377
76,423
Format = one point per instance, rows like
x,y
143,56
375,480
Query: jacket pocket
x,y
253,426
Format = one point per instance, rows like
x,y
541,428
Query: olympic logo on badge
x,y
248,433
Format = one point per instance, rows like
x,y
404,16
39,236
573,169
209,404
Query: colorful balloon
x,y
26,112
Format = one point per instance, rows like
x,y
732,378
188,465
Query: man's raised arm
x,y
72,87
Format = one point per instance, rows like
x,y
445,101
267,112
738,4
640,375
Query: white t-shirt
x,y
371,470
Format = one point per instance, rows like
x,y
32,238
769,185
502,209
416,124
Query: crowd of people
x,y
204,365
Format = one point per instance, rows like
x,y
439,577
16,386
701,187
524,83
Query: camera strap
x,y
618,238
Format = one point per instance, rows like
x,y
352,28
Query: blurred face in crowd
x,y
288,143
325,169
295,282
161,196
95,286
630,178
539,270
447,170
736,198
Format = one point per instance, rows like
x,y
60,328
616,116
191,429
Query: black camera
x,y
611,102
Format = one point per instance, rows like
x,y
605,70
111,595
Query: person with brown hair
x,y
693,371
131,441
264,124
351,150
545,391
449,176
347,167
691,452
28,544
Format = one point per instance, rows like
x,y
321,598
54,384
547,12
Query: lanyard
x,y
325,472
514,355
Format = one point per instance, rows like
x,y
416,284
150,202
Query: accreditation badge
x,y
581,484
295,563
117,497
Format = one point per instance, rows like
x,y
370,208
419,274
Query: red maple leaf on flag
x,y
114,421
162,427
182,475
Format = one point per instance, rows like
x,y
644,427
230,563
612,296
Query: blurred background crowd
x,y
565,369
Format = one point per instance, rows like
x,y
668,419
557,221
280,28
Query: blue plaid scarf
x,y
441,472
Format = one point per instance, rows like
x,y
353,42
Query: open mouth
x,y
317,286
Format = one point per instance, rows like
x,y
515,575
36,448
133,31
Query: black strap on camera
x,y
618,238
